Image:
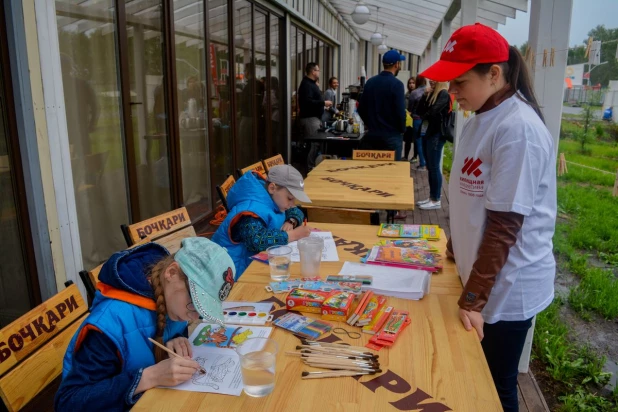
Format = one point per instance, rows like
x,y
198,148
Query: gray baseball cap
x,y
290,178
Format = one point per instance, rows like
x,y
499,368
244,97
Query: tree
x,y
523,48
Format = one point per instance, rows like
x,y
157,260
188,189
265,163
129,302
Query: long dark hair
x,y
517,75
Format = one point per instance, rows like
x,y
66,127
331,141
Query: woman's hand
x,y
287,226
472,320
181,346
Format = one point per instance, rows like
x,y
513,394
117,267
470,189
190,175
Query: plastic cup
x,y
279,260
310,249
257,365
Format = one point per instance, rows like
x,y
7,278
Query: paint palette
x,y
247,313
246,318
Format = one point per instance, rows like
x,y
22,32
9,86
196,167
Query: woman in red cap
x,y
502,195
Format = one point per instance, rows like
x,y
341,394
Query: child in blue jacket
x,y
143,293
262,214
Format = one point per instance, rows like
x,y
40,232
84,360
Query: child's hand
x,y
287,226
181,346
299,233
472,320
170,372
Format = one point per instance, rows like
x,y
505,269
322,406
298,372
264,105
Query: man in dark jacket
x,y
311,105
382,107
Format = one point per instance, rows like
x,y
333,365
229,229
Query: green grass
x,y
598,292
600,155
567,363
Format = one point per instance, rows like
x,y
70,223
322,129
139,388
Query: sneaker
x,y
421,169
422,202
431,205
415,160
401,216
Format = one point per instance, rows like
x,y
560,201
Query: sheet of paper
x,y
222,376
392,281
329,254
228,336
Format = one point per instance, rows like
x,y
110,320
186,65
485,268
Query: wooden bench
x,y
224,188
380,155
32,348
257,167
340,215
273,161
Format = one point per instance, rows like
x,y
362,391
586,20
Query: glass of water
x,y
257,365
279,260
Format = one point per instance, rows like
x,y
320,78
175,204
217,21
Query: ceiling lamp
x,y
239,40
382,48
376,38
361,13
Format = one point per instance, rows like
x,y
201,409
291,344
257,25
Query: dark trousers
x,y
432,147
384,143
418,142
503,344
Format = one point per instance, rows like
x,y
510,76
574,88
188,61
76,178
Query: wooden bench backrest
x,y
345,216
158,226
258,167
273,161
224,189
373,155
32,347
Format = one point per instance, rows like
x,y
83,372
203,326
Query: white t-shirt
x,y
506,162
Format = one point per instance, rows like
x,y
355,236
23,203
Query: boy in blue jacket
x,y
262,214
143,293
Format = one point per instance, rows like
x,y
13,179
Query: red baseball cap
x,y
467,47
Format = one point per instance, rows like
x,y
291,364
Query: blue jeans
x,y
418,142
384,143
432,147
503,344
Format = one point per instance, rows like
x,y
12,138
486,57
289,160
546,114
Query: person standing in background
x,y
311,106
433,109
408,136
382,107
413,104
331,95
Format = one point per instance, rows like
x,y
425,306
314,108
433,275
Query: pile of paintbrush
x,y
343,360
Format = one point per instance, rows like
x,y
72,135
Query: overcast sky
x,y
586,15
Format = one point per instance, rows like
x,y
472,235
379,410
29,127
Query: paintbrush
x,y
333,345
171,352
338,374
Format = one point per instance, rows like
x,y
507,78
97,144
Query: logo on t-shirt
x,y
470,182
471,167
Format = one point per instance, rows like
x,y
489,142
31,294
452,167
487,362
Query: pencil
x,y
171,352
351,319
305,222
318,375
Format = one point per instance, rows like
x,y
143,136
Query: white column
x,y
550,23
49,54
434,53
446,32
469,14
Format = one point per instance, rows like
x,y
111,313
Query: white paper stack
x,y
389,281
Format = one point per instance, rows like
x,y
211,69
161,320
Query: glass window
x,y
279,144
149,108
245,85
14,290
220,92
262,100
191,75
89,64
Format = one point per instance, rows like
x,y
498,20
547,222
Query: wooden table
x,y
360,191
394,170
435,364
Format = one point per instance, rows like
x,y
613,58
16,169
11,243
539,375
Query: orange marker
x,y
305,224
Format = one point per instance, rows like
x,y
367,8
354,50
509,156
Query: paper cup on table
x,y
257,365
279,260
310,250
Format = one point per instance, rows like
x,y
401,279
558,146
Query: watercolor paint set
x,y
247,313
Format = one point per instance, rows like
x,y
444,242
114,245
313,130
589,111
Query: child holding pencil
x,y
143,293
502,197
262,214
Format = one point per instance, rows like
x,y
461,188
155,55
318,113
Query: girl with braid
x,y
143,293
